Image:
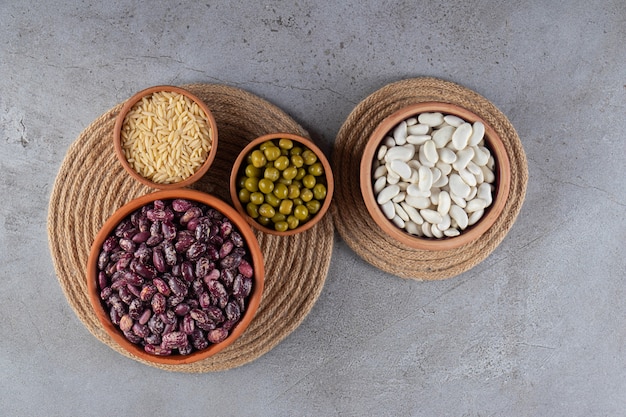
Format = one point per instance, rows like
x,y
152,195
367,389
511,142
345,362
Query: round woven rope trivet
x,y
91,185
351,217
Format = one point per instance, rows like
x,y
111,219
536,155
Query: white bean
x,y
445,223
417,139
475,216
381,171
484,193
478,132
467,177
425,179
461,136
458,186
453,120
380,183
475,205
388,193
412,228
414,191
446,155
430,152
451,232
398,222
427,229
418,129
417,202
403,153
389,142
444,203
431,216
413,213
388,210
459,215
430,119
382,150
399,133
411,121
400,212
442,136
436,231
463,157
401,168
400,197
392,178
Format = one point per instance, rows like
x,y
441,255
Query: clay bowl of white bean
x,y
165,137
435,176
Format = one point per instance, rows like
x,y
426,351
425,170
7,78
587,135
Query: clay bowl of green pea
x,y
281,183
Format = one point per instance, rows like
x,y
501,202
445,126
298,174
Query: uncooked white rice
x,y
166,137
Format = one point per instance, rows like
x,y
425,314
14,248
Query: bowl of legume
x,y
434,176
175,276
165,137
281,183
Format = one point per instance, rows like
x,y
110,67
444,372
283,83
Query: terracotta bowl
x,y
240,164
117,142
502,182
253,300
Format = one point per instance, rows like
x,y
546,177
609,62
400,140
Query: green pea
x,y
272,200
306,195
313,206
300,212
257,198
266,210
241,181
292,222
290,172
278,217
281,191
297,161
244,195
252,171
316,169
309,181
271,173
252,210
272,153
266,144
301,174
319,191
296,150
294,191
258,159
286,206
281,226
309,157
283,180
265,221
266,186
252,184
298,201
281,163
285,143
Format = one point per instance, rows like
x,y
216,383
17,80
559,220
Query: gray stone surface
x,y
537,329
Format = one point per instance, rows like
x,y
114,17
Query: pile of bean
x,y
282,186
433,175
175,276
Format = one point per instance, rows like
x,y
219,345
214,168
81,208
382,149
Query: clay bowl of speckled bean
x,y
434,176
281,183
175,276
165,137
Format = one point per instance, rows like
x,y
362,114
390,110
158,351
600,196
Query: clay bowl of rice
x,y
165,137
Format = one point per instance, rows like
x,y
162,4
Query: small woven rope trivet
x,y
91,185
351,217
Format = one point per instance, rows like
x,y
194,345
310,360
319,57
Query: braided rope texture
x,y
350,214
91,185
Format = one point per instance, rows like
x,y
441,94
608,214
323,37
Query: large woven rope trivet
x,y
91,185
352,219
